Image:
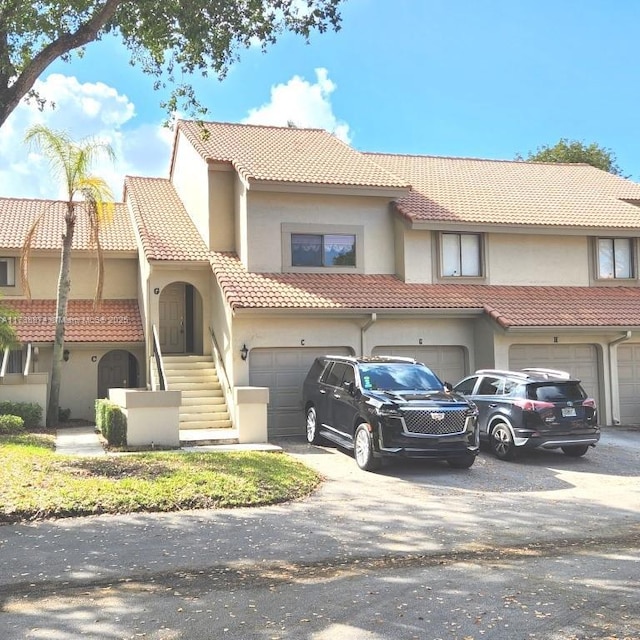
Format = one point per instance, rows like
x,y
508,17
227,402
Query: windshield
x,y
398,377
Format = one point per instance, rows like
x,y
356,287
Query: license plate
x,y
568,412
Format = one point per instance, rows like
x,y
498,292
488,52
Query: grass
x,y
37,483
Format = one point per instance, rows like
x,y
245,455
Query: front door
x,y
116,370
172,318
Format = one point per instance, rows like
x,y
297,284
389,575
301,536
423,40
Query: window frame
x,y
10,261
480,250
288,230
632,259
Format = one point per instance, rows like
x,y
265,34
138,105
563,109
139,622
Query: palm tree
x,y
86,195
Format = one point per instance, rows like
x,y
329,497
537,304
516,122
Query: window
x,y
461,254
7,272
490,387
323,250
615,258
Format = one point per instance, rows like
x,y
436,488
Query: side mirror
x,y
349,387
448,387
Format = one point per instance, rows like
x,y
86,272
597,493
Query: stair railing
x,y
27,364
219,362
157,355
5,363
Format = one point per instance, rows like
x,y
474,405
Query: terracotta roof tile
x,y
166,230
510,306
114,321
509,192
286,154
18,215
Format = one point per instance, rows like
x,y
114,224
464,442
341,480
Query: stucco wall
x,y
538,259
189,175
221,207
120,277
318,331
267,211
79,386
418,255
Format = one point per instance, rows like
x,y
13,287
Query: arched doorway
x,y
180,319
117,369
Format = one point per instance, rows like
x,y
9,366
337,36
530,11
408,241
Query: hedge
x,y
30,412
111,422
11,424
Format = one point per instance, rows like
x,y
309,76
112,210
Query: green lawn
x,y
37,483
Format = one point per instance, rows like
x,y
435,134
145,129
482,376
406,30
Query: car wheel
x,y
502,442
312,426
463,462
576,451
363,449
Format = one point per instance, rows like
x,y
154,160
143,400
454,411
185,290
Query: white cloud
x,y
303,103
83,110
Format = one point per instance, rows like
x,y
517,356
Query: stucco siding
x,y
268,211
221,210
189,176
418,255
538,260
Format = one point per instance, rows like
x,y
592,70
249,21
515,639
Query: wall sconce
x,y
65,355
244,352
156,290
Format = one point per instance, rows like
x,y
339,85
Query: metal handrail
x,y
27,364
5,363
157,354
218,355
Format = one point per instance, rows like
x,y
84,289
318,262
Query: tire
x,y
575,451
312,426
363,449
463,462
502,442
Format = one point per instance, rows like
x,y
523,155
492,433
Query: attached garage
x,y
580,360
448,362
629,383
283,370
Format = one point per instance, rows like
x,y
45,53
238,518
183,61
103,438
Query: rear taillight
x,y
533,405
589,402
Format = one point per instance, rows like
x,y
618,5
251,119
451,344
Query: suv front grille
x,y
434,422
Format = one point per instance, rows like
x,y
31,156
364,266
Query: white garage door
x,y
629,383
580,360
448,362
283,371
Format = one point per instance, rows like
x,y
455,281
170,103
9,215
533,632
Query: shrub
x,y
111,422
64,415
11,424
30,412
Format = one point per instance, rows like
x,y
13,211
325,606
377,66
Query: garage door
x,y
448,362
580,360
629,383
283,371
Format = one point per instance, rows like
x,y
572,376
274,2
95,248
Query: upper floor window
x,y
7,272
615,258
323,250
461,254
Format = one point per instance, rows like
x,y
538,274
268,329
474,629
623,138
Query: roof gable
x,y
287,154
476,191
18,214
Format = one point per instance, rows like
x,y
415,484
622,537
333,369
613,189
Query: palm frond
x,y
25,255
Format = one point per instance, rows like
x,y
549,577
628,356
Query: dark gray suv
x,y
532,408
388,406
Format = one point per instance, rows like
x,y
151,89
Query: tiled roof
x,y
510,306
286,154
18,214
470,190
113,321
165,228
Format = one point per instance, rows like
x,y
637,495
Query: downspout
x,y
364,329
613,377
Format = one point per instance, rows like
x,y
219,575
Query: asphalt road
x,y
547,547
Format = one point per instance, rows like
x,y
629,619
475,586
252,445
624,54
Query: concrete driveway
x,y
403,520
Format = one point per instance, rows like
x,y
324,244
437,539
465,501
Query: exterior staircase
x,y
204,415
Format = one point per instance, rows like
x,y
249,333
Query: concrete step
x,y
193,386
203,394
185,359
205,424
211,378
188,366
211,416
204,437
202,403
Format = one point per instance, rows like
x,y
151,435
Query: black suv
x,y
532,408
388,406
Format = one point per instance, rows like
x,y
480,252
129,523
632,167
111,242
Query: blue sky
x,y
442,77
